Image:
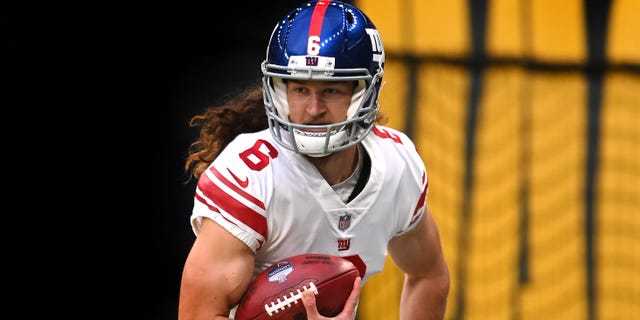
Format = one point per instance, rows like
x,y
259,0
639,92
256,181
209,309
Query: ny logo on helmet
x,y
376,44
311,61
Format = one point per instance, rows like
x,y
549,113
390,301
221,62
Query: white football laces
x,y
285,302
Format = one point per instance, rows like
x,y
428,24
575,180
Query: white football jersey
x,y
279,205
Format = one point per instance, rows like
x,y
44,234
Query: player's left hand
x,y
348,312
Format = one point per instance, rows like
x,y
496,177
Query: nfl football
x,y
276,293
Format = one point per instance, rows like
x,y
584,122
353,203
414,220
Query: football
x,y
276,293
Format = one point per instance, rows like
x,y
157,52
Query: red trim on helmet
x,y
317,17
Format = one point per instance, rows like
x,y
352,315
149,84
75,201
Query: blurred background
x,y
526,113
527,116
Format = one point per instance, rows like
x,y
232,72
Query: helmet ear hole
x,y
349,17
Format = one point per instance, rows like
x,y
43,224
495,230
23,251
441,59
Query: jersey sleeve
x,y
420,208
232,192
415,180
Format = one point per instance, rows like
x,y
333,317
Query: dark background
x,y
96,132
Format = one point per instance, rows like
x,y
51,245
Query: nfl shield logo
x,y
345,222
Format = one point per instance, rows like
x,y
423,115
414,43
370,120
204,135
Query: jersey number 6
x,y
258,156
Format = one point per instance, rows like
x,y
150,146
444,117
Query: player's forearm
x,y
424,298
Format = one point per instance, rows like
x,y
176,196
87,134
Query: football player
x,y
304,164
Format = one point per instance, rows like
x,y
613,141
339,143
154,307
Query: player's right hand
x,y
348,313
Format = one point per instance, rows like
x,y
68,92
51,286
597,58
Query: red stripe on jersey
x,y
317,17
212,208
235,188
414,219
421,201
237,209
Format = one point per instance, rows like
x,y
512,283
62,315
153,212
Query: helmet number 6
x,y
313,45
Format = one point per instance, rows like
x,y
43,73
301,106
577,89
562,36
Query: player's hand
x,y
348,313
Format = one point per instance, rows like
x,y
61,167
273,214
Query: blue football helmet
x,y
323,40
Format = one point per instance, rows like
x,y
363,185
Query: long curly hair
x,y
219,125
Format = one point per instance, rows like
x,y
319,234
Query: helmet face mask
x,y
330,41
